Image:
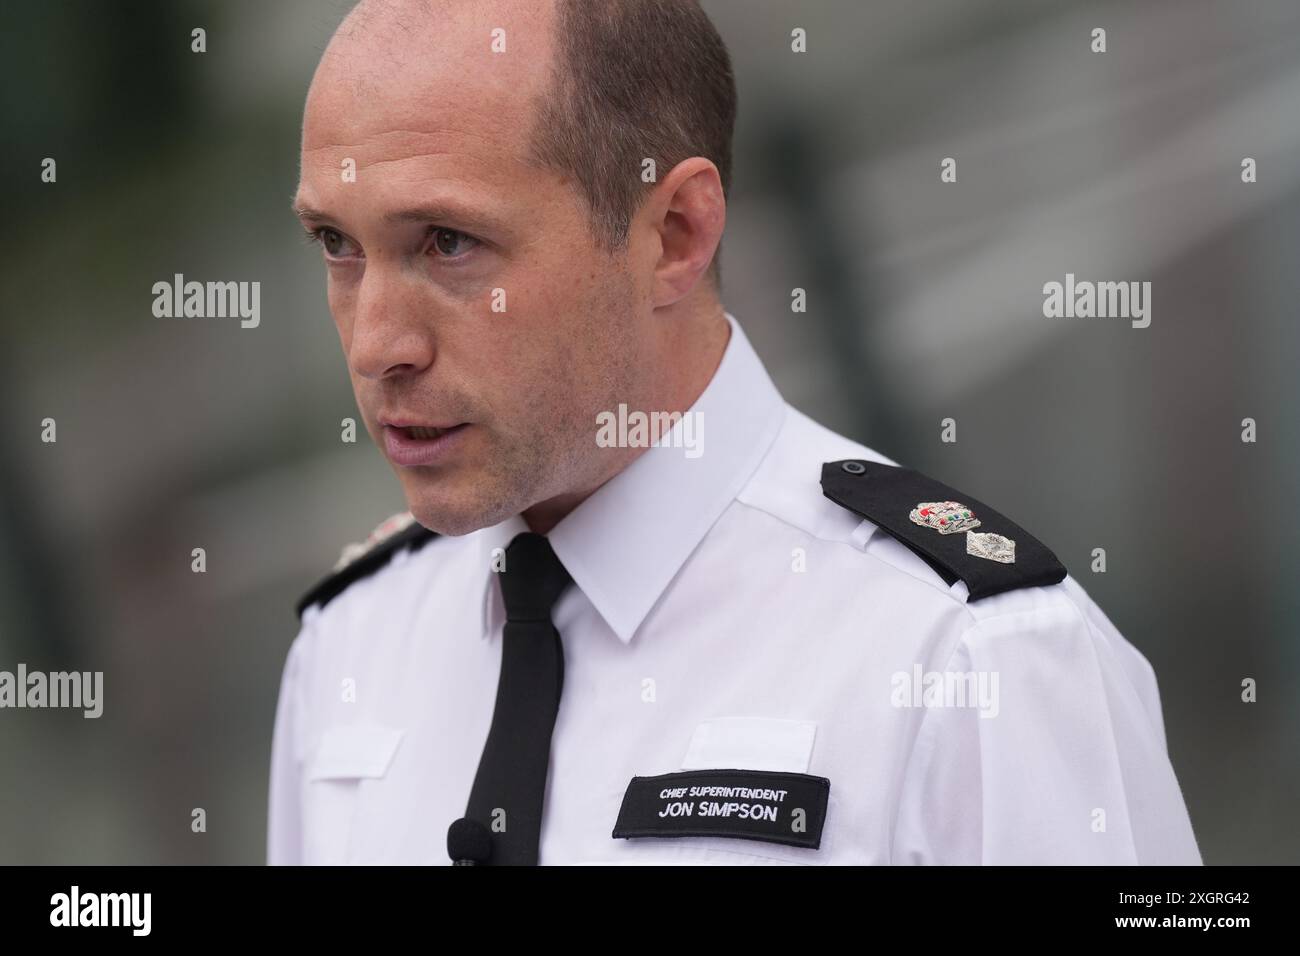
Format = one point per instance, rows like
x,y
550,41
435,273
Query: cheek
x,y
340,306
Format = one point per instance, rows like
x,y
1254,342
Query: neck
x,y
692,350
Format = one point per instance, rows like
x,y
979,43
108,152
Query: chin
x,y
451,517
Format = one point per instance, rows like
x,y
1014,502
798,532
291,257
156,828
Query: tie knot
x,y
533,578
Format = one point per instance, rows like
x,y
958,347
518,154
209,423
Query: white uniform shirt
x,y
728,615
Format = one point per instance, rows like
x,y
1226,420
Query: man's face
x,y
467,287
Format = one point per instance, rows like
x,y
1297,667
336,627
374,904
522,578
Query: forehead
x,y
413,87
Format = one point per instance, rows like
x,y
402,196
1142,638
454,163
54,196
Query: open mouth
x,y
421,433
415,445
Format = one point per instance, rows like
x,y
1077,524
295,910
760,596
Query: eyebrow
x,y
431,212
303,211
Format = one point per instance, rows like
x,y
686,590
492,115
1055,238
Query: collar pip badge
x,y
359,561
945,517
386,529
994,547
887,496
950,517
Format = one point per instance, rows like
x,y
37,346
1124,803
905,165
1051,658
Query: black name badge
x,y
787,808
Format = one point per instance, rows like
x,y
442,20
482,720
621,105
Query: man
x,y
751,641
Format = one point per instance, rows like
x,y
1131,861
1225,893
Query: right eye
x,y
335,244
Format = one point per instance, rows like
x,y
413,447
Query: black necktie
x,y
510,785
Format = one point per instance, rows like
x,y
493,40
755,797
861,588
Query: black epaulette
x,y
363,560
959,536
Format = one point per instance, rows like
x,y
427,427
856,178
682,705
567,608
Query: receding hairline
x,y
623,81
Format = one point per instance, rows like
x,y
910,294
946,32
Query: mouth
x,y
421,445
422,433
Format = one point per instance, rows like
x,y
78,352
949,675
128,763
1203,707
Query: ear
x,y
686,214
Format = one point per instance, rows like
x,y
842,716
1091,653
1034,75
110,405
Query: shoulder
x,y
397,535
836,489
961,537
860,504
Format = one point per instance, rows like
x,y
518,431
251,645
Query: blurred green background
x,y
924,302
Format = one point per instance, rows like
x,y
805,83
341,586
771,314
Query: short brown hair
x,y
631,80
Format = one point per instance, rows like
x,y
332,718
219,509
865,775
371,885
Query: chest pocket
x,y
740,743
345,757
751,743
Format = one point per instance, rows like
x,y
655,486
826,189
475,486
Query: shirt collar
x,y
625,543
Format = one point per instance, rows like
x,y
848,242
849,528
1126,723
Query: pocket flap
x,y
751,743
354,750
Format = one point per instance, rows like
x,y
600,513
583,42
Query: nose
x,y
391,334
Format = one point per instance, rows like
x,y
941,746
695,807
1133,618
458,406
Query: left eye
x,y
451,243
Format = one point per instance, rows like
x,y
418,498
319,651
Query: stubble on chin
x,y
552,452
